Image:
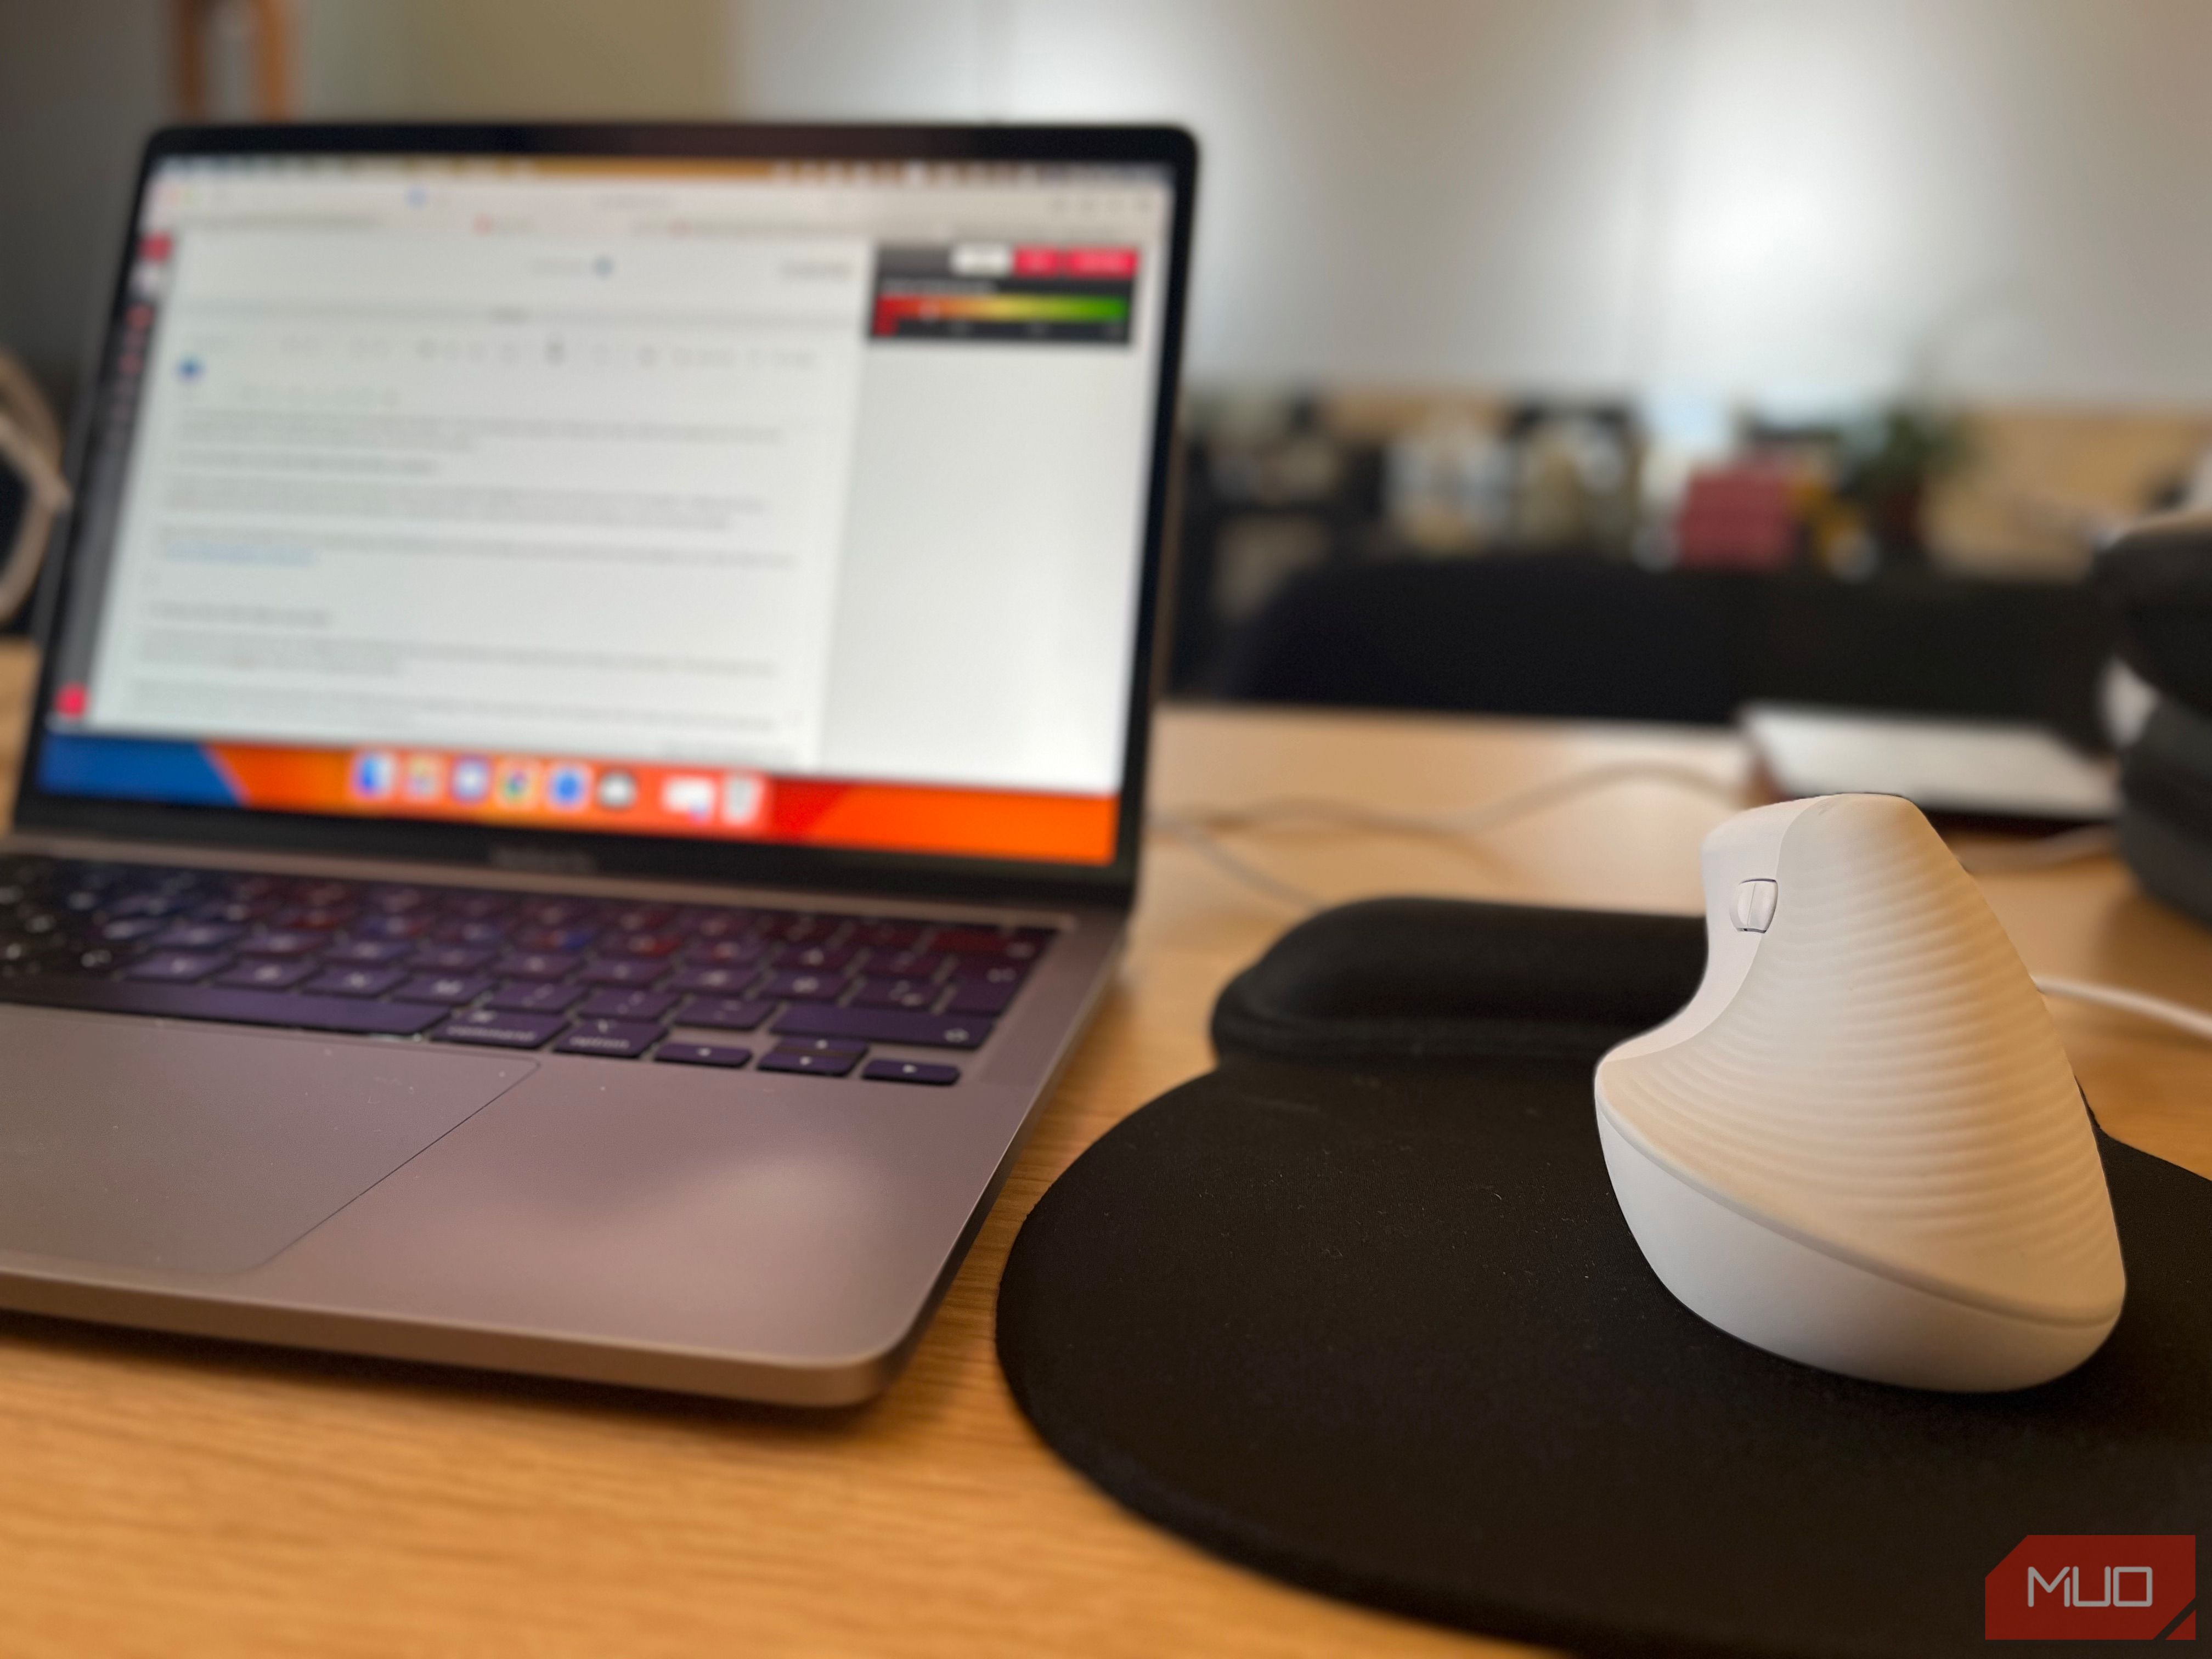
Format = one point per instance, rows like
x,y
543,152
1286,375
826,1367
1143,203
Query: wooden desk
x,y
162,1495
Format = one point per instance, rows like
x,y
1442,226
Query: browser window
x,y
771,500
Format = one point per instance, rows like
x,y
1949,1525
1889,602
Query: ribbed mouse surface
x,y
1886,1081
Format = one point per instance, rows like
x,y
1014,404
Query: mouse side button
x,y
1751,909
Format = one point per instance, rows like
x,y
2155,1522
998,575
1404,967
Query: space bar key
x,y
240,1007
816,1020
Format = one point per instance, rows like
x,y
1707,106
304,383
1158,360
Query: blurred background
x,y
1611,358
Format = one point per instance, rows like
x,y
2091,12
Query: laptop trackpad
x,y
143,1145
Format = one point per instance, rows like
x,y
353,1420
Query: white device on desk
x,y
1860,1145
1994,768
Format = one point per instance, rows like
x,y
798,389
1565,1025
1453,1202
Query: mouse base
x,y
1775,1292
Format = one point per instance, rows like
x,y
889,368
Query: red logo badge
x,y
2094,1587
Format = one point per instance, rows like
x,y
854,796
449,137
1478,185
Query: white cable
x,y
1203,842
1199,828
1458,825
2195,1021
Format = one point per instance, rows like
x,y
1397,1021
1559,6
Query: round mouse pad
x,y
1382,1331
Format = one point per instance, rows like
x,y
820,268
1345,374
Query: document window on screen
x,y
771,500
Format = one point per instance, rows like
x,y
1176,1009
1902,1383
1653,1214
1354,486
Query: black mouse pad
x,y
1358,1309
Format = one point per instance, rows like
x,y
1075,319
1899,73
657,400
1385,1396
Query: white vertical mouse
x,y
1860,1144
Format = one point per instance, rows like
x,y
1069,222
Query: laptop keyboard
x,y
801,991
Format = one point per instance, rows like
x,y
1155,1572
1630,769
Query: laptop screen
x,y
765,500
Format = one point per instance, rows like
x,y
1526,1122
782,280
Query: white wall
x,y
1797,199
1788,198
471,59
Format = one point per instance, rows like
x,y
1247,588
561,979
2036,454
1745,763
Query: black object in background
x,y
1358,1309
2157,583
14,499
1545,634
1587,637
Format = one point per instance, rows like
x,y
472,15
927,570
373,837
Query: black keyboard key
x,y
721,981
908,964
724,1014
556,913
890,935
883,1025
649,947
314,918
236,912
534,996
476,910
730,952
627,1005
391,926
238,1007
816,958
615,1039
179,967
789,929
126,930
537,964
195,936
991,973
567,939
149,905
269,973
448,990
369,953
492,1028
723,924
823,1046
812,1060
282,942
971,996
910,1071
452,958
805,987
356,982
703,1053
897,993
622,972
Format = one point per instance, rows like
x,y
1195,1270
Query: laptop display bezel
x,y
737,862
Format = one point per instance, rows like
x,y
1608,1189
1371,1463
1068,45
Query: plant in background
x,y
1889,466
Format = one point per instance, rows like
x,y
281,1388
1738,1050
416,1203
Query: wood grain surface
x,y
160,1495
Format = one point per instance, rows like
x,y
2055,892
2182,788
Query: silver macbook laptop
x,y
589,761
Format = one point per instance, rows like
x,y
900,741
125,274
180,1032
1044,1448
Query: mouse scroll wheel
x,y
1752,910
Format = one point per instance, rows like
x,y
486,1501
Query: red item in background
x,y
1117,262
1741,518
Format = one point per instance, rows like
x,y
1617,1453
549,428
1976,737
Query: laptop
x,y
588,766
